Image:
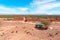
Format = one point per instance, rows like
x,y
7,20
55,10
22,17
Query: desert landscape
x,y
23,28
29,19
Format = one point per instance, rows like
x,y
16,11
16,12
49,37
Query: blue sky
x,y
15,3
30,7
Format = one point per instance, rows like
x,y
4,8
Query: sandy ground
x,y
27,31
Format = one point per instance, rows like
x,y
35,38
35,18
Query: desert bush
x,y
45,23
12,31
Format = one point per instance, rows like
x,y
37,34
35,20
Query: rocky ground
x,y
27,31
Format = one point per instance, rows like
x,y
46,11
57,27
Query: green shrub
x,y
45,23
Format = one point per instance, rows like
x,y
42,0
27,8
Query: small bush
x,y
46,23
12,31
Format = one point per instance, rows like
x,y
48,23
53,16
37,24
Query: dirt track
x,y
26,31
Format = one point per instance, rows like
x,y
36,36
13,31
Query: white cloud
x,y
5,10
49,6
23,9
36,7
41,6
39,2
53,13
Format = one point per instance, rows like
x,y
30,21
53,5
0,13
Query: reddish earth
x,y
27,31
33,19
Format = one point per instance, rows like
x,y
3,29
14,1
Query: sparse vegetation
x,y
12,31
26,30
46,23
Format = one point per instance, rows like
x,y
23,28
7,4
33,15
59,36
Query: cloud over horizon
x,y
41,6
36,7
